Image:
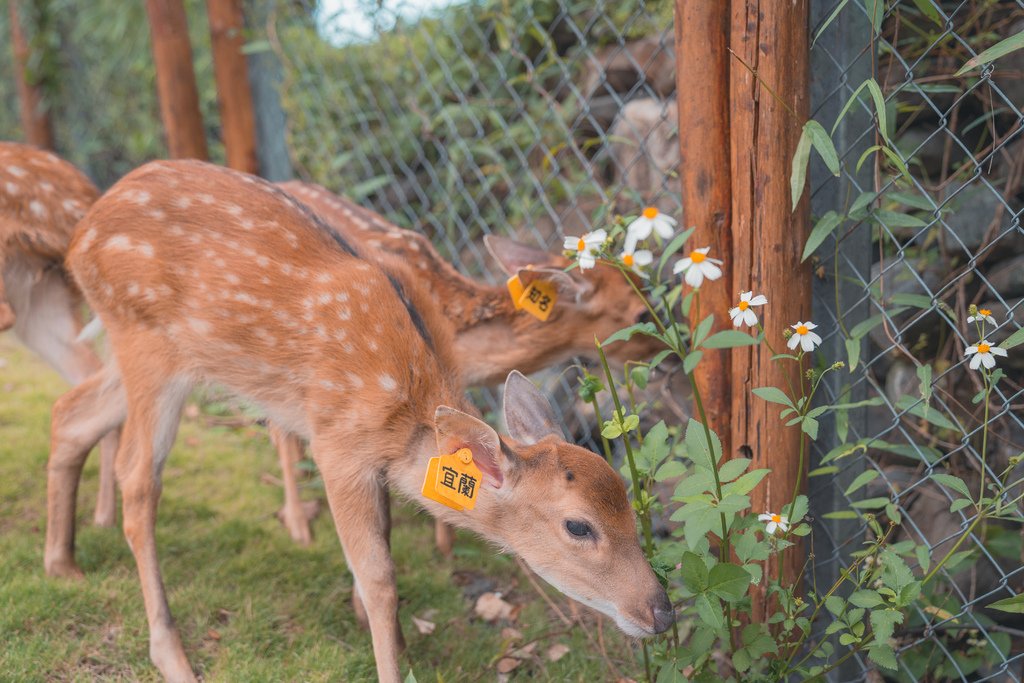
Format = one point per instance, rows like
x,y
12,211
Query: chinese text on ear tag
x,y
537,298
453,480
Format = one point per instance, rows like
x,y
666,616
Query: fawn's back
x,y
253,292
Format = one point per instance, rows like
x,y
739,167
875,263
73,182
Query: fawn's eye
x,y
578,529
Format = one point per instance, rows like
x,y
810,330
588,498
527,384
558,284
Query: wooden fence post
x,y
35,120
233,92
768,237
702,79
175,79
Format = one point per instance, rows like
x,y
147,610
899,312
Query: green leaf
x,y
1014,605
924,376
831,18
852,353
367,187
1003,47
702,329
691,360
882,654
822,229
746,483
697,447
1013,340
773,395
915,300
870,503
822,471
883,622
670,470
694,572
809,426
673,246
710,612
892,219
732,469
866,598
955,483
798,173
728,581
626,333
410,677
611,429
728,339
959,504
918,409
630,423
876,13
928,9
862,480
824,146
876,95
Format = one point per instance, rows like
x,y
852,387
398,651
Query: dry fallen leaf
x,y
423,626
557,651
491,607
213,634
525,651
511,634
506,664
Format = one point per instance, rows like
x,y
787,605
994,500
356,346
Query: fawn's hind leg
x,y
293,514
79,419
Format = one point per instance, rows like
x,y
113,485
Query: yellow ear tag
x,y
453,480
538,299
515,288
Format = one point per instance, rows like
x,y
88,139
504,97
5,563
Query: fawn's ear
x,y
513,256
528,414
455,429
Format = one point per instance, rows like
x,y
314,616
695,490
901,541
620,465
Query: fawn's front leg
x,y
358,499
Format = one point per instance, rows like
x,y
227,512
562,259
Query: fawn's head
x,y
560,507
594,303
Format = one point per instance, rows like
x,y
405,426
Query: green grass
x,y
251,605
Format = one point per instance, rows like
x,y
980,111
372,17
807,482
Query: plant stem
x,y
638,491
984,439
952,550
600,426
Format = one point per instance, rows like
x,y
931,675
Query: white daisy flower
x,y
983,315
774,523
649,220
742,314
803,336
634,259
698,266
586,247
984,354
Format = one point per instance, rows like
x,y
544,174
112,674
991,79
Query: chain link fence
x,y
895,287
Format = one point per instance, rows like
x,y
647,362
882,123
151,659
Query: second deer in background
x,y
492,337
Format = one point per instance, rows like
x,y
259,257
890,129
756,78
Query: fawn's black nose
x,y
664,615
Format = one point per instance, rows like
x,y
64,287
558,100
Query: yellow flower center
x,y
650,212
776,518
984,312
581,245
743,305
627,259
983,348
697,257
802,329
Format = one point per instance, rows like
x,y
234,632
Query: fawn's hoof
x,y
297,522
63,569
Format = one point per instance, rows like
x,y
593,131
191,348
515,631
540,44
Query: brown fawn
x,y
42,197
492,337
201,274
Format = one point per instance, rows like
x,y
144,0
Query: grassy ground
x,y
251,605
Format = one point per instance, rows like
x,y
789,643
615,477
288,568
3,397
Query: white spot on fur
x,y
37,209
200,326
325,298
387,382
182,202
205,198
232,278
355,380
140,197
262,261
46,186
11,188
16,171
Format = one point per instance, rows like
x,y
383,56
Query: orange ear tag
x,y
453,480
515,288
538,299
